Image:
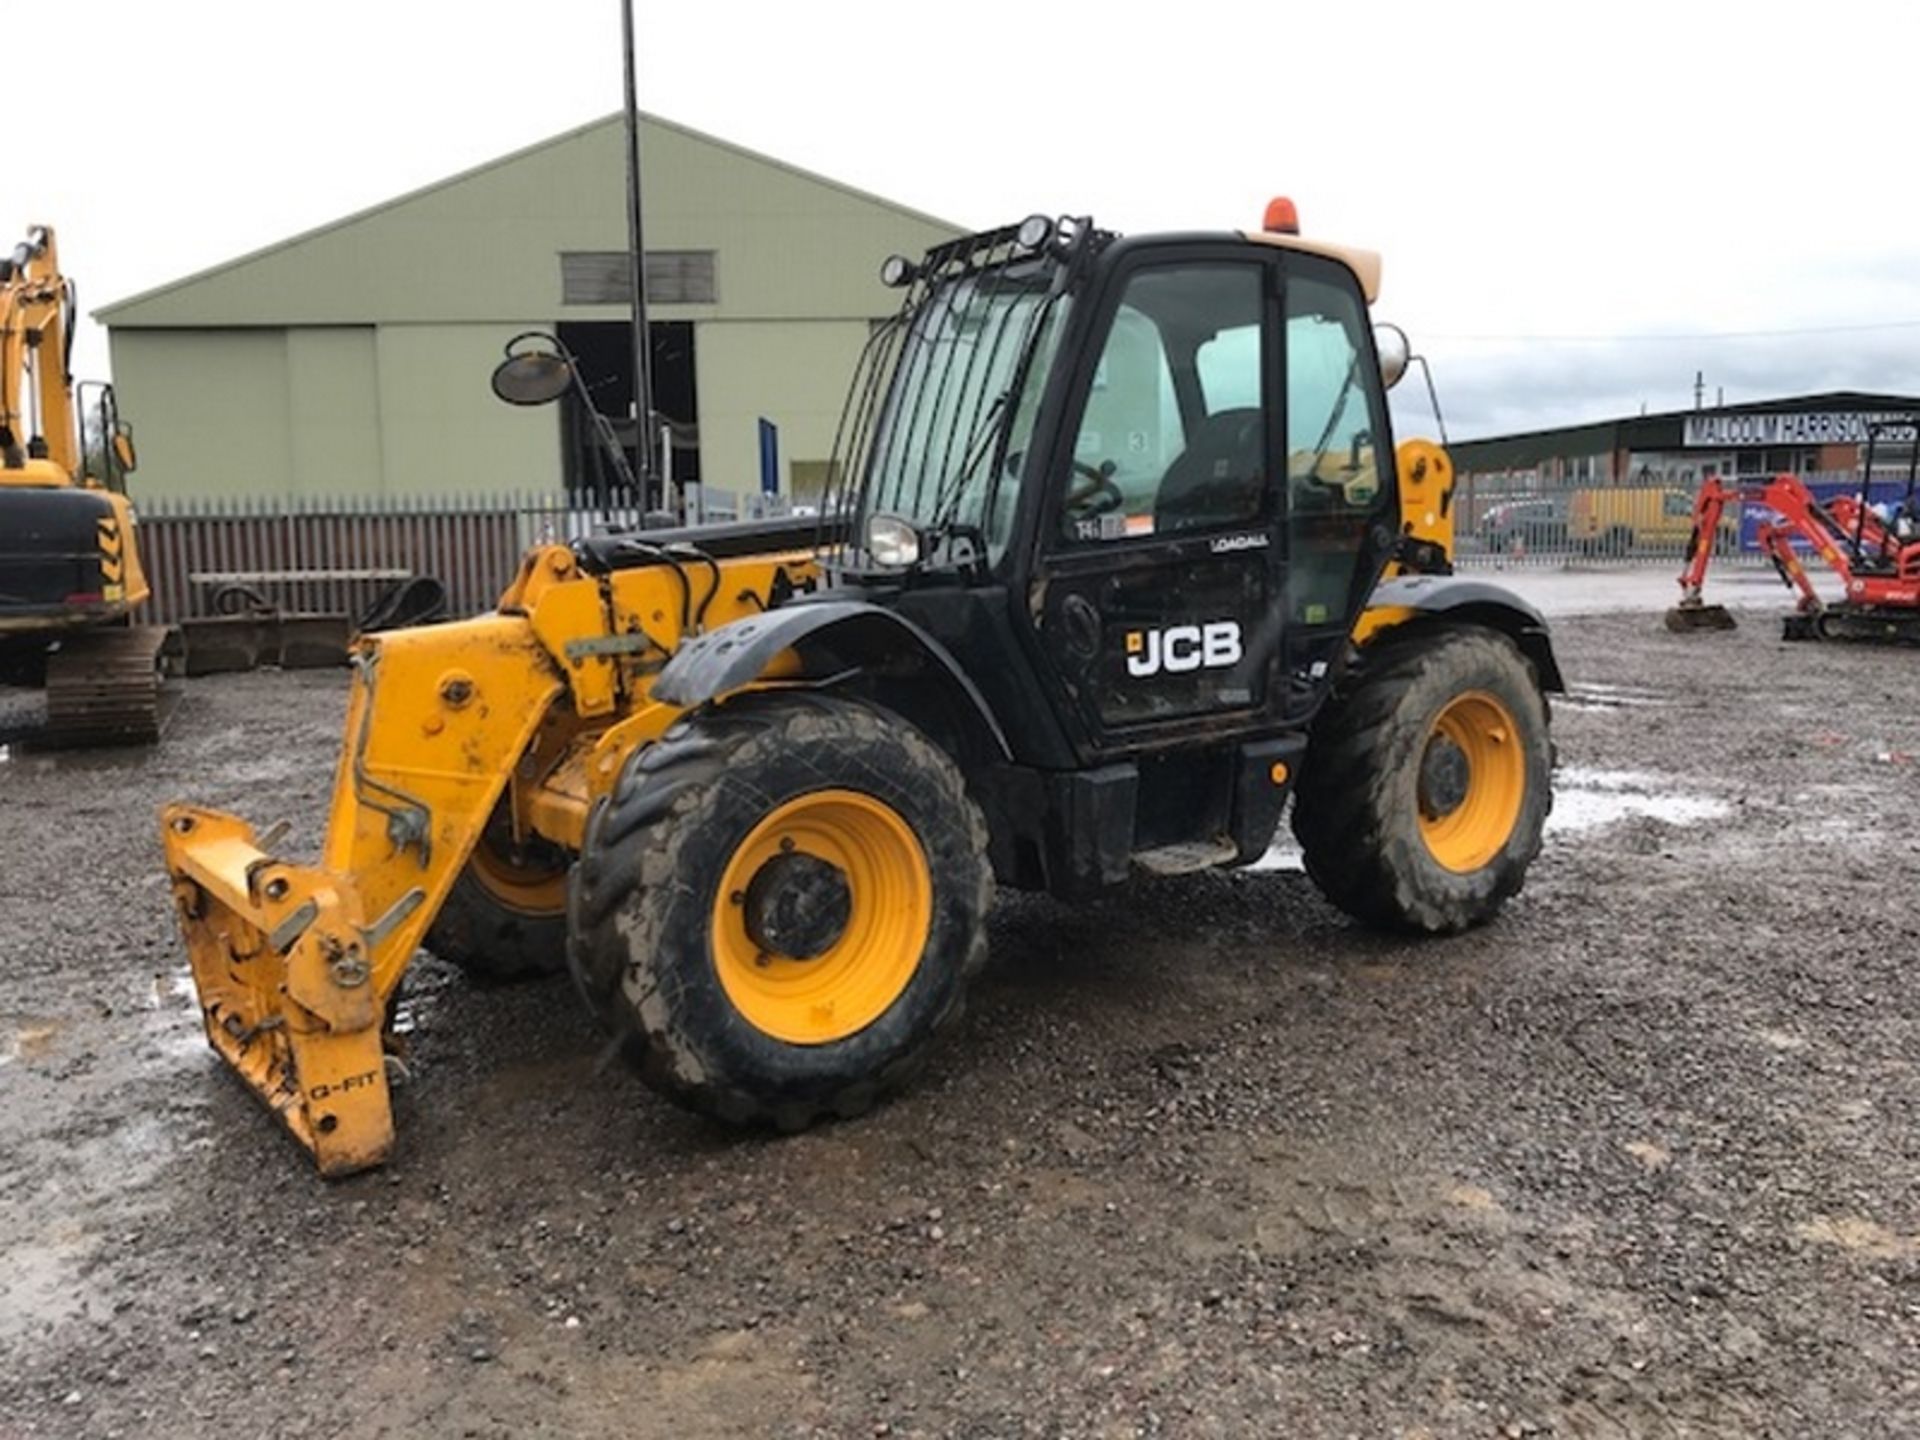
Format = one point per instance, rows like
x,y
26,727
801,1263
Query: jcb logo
x,y
1181,648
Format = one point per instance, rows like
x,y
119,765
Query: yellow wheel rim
x,y
528,889
1473,778
855,968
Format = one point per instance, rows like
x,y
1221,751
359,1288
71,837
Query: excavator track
x,y
103,688
1882,624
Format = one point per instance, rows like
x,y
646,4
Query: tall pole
x,y
637,265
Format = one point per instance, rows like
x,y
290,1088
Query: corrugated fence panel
x,y
341,554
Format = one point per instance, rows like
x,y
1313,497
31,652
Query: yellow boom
x,y
533,709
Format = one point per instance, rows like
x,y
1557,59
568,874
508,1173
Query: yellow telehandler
x,y
1120,559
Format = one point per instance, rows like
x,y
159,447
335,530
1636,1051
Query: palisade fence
x,y
1502,521
341,554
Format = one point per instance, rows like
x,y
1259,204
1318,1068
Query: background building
x,y
1804,434
1627,486
354,359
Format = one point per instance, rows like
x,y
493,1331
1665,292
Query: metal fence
x,y
1498,522
339,555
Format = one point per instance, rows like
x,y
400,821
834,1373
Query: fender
x,y
851,632
1461,598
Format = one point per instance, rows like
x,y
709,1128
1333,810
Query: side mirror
x,y
1396,352
123,450
534,377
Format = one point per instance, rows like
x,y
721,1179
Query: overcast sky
x,y
1576,205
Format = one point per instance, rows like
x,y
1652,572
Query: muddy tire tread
x,y
636,862
1360,839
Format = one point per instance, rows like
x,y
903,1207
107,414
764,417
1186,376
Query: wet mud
x,y
1203,1159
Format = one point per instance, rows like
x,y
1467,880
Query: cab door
x,y
1159,541
1166,597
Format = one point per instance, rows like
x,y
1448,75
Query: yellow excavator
x,y
1122,561
70,574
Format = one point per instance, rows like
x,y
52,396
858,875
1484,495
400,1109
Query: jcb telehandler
x,y
1101,589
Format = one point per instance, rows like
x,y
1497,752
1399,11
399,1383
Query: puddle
x,y
184,1046
173,991
1585,799
260,773
38,1286
43,1263
1594,696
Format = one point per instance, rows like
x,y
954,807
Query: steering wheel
x,y
1096,494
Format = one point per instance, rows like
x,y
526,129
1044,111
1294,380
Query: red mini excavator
x,y
1874,549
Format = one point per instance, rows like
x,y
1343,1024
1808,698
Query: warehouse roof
x,y
547,195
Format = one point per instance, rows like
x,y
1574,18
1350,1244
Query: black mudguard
x,y
830,635
1462,598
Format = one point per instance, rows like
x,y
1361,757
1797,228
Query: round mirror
x,y
123,450
1396,352
534,377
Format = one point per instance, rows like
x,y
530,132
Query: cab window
x,y
1333,467
1173,437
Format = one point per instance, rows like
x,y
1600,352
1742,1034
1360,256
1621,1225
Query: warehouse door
x,y
604,349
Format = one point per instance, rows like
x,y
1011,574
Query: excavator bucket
x,y
1697,615
217,644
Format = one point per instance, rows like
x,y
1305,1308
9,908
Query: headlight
x,y
895,271
892,542
1034,231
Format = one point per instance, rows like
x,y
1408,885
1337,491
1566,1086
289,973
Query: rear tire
x,y
503,921
687,883
1427,782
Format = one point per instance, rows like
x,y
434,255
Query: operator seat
x,y
1218,478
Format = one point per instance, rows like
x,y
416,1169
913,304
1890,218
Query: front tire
x,y
505,919
779,907
1427,783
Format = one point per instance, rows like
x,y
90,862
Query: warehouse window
x,y
674,277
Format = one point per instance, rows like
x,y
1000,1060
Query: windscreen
x,y
954,430
943,408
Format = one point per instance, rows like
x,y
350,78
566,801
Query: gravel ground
x,y
1639,1159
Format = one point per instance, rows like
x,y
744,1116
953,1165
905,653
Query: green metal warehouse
x,y
353,360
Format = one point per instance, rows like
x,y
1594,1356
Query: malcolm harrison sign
x,y
1720,430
